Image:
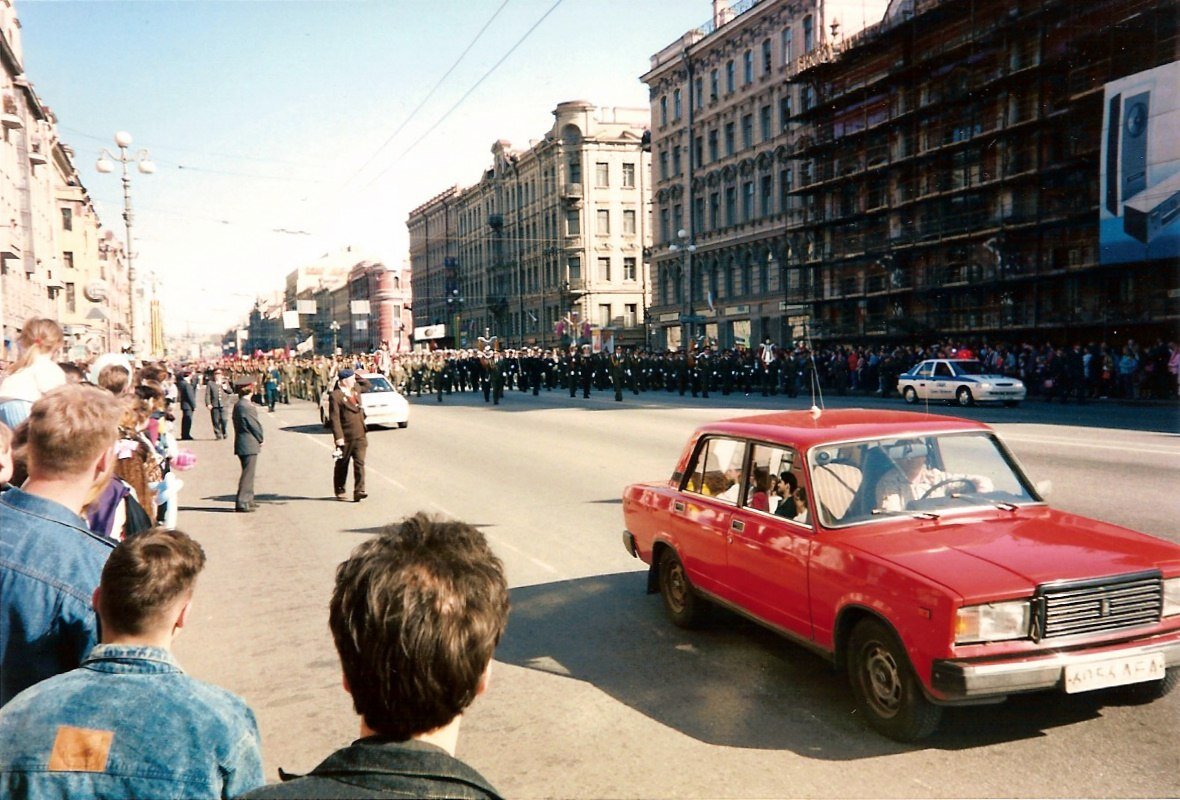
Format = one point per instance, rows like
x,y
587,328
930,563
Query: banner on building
x,y
290,319
1139,168
359,307
305,306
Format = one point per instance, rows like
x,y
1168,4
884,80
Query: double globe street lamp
x,y
685,249
145,164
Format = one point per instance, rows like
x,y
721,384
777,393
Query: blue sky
x,y
275,116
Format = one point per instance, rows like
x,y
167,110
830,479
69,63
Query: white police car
x,y
958,380
383,404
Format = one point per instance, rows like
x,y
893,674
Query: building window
x,y
698,151
629,221
676,105
665,225
714,211
604,318
664,110
67,219
573,223
698,213
788,53
713,153
698,92
67,258
747,201
764,123
714,86
575,169
808,98
664,165
784,188
676,160
604,269
767,64
575,268
808,34
748,67
628,176
747,131
730,145
767,195
629,265
677,216
631,315
602,174
603,228
71,298
729,77
730,205
784,112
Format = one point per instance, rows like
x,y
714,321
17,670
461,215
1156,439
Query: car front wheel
x,y
910,395
885,686
684,607
964,397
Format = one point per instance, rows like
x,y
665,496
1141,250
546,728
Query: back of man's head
x,y
69,427
416,615
114,378
144,577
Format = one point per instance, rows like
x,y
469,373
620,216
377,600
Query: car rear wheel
x,y
910,395
685,608
403,424
964,397
885,686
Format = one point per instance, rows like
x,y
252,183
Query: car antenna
x,y
817,392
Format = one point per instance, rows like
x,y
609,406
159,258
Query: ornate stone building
x,y
548,247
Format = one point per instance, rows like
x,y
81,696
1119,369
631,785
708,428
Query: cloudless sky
x,y
270,122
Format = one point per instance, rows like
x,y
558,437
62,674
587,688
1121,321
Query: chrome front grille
x,y
1097,606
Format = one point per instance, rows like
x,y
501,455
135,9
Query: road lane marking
x,y
1132,448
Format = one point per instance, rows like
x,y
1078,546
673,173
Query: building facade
x,y
548,248
55,260
725,130
951,182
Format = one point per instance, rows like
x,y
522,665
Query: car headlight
x,y
1171,597
984,385
992,622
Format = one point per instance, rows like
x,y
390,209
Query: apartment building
x,y
548,247
725,130
55,260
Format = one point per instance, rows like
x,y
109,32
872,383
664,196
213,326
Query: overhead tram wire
x,y
466,94
429,94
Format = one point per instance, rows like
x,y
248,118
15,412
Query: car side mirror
x,y
1045,488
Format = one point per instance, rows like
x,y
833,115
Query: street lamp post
x,y
335,327
147,167
685,248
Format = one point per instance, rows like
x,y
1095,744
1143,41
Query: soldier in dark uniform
x,y
499,377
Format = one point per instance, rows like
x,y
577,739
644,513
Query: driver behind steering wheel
x,y
914,479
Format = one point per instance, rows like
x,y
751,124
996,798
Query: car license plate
x,y
1114,672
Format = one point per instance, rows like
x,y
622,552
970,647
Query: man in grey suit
x,y
247,443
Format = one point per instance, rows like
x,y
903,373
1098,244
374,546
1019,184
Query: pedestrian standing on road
x,y
128,722
347,418
416,615
215,389
247,444
187,392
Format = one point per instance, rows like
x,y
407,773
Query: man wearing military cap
x,y
247,443
347,418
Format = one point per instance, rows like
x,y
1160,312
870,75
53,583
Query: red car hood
x,y
982,556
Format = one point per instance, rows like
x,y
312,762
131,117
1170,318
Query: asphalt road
x,y
594,694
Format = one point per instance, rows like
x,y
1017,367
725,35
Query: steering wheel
x,y
947,482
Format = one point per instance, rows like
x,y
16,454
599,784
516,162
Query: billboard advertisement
x,y
1139,167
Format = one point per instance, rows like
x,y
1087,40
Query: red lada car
x,y
912,551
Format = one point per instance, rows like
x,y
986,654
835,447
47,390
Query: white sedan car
x,y
958,380
383,404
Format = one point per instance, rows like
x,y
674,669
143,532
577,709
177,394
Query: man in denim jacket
x,y
129,722
416,615
50,561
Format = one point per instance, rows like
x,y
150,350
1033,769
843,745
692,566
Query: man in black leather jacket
x,y
422,605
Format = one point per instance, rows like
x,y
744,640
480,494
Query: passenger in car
x,y
759,498
915,479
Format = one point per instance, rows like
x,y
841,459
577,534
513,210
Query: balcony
x,y
496,221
